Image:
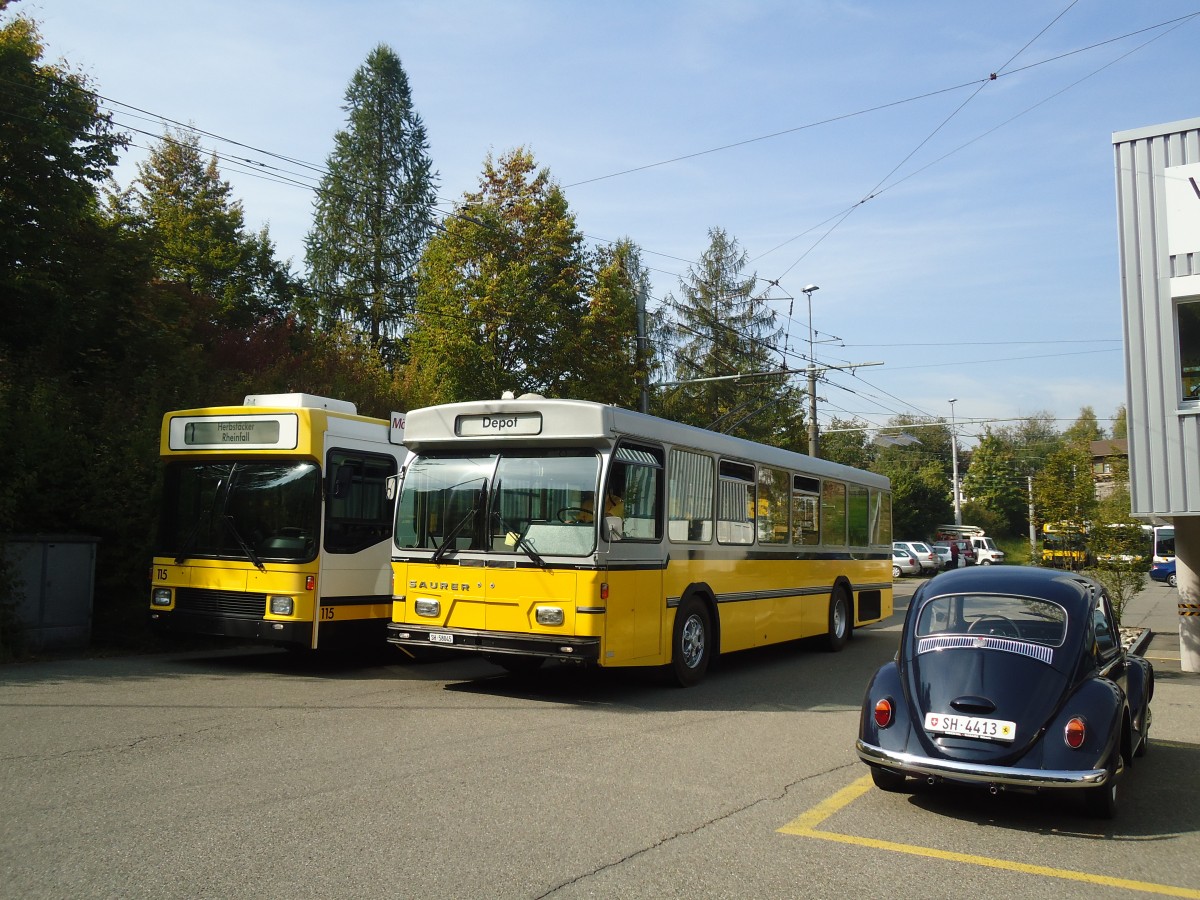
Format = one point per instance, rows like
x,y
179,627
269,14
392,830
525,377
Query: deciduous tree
x,y
503,292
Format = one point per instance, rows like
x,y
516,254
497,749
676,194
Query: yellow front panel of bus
x,y
243,578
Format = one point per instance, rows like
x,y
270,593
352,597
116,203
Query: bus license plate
x,y
439,638
971,726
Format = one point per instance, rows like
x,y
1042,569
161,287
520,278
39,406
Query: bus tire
x,y
841,619
691,642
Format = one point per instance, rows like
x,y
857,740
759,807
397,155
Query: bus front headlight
x,y
428,607
282,606
549,615
161,597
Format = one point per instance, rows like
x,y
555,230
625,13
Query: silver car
x,y
930,561
904,563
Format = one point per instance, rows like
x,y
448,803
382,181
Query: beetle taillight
x,y
1075,732
883,713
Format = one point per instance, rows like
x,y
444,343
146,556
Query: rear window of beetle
x,y
997,615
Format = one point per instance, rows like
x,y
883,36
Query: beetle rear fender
x,y
1101,704
886,683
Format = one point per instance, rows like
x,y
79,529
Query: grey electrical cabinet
x,y
55,586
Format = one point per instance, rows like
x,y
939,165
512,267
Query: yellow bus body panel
x,y
635,622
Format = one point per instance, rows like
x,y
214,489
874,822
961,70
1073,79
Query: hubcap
x,y
839,618
692,641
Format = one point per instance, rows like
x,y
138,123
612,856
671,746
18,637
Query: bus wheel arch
x,y
694,636
841,616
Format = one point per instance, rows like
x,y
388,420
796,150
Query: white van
x,y
986,551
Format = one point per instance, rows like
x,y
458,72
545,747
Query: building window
x,y
1187,318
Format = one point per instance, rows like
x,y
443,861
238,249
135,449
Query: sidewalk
x,y
1150,626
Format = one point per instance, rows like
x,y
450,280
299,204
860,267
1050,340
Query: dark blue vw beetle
x,y
1010,677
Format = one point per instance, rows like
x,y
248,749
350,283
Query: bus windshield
x,y
530,502
241,510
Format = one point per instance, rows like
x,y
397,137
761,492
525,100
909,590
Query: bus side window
x,y
690,497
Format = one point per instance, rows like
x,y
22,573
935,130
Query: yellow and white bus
x,y
275,522
700,543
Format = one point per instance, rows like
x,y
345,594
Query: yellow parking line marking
x,y
806,826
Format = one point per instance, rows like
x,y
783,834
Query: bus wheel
x,y
839,620
691,643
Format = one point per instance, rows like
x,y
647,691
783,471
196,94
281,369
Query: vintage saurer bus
x,y
531,529
275,523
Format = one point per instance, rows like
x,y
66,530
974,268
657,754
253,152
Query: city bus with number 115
x,y
275,522
532,529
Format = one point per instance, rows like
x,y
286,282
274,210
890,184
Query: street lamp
x,y
813,449
954,462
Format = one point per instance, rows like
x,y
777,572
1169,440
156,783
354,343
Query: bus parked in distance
x,y
1164,543
1064,545
531,529
275,523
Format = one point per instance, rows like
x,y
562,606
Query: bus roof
x,y
532,419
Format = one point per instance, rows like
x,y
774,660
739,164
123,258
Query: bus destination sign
x,y
274,432
522,424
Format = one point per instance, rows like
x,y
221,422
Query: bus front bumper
x,y
546,646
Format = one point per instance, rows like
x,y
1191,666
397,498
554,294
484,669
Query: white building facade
x,y
1158,213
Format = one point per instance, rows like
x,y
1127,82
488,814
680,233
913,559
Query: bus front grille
x,y
233,604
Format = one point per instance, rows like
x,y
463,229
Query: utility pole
x,y
814,449
954,463
642,355
1033,559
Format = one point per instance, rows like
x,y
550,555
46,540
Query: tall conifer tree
x,y
374,208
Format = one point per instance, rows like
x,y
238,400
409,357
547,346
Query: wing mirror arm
x,y
612,528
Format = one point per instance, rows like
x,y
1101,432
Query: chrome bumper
x,y
952,770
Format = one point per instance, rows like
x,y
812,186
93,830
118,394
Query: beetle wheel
x,y
691,643
887,779
1101,802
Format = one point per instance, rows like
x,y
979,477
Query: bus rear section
x,y
275,523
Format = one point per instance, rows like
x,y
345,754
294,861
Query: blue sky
x,y
982,267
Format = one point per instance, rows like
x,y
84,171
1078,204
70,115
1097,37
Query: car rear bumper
x,y
974,773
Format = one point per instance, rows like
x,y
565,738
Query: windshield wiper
x,y
237,536
523,543
454,532
204,516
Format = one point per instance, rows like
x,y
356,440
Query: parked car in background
x,y
946,551
904,563
1164,571
930,561
1009,678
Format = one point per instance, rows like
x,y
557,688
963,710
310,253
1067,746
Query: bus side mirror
x,y
392,486
612,528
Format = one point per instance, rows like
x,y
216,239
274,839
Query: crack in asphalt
x,y
661,842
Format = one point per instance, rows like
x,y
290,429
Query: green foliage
x,y
997,490
503,299
196,230
845,442
1063,488
609,367
55,146
719,327
374,209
